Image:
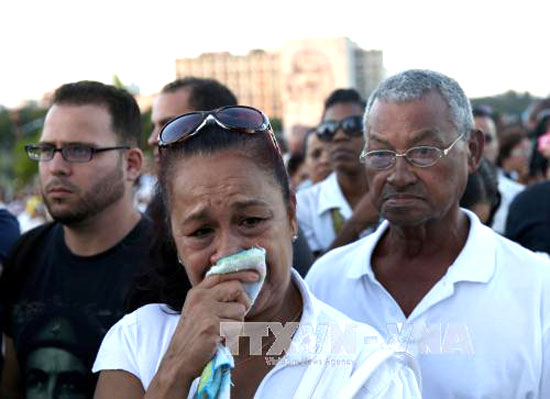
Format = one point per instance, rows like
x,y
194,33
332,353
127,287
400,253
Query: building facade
x,y
254,78
292,83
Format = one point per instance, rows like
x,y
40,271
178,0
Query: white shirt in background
x,y
508,190
482,331
313,368
313,211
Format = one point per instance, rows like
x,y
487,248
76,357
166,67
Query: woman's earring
x,y
294,237
180,262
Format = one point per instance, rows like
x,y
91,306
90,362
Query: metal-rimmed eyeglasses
x,y
422,156
77,153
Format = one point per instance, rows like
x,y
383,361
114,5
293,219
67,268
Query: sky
x,y
489,47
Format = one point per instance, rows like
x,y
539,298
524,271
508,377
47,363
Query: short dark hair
x,y
123,108
206,94
344,96
212,139
482,111
294,163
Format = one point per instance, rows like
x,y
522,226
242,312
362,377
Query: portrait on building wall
x,y
308,80
311,77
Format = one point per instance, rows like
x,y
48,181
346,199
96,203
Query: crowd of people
x,y
402,251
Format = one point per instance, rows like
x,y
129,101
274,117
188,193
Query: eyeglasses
x,y
352,126
77,153
422,156
235,118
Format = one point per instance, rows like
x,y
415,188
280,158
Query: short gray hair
x,y
413,84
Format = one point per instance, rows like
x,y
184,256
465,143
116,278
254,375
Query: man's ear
x,y
476,144
293,221
134,163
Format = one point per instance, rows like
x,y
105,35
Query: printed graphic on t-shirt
x,y
56,346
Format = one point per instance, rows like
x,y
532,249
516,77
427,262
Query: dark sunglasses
x,y
352,126
235,118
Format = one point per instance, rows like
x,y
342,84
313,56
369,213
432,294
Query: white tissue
x,y
248,259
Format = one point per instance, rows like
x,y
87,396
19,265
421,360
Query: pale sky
x,y
487,46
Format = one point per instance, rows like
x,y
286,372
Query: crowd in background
x,y
516,155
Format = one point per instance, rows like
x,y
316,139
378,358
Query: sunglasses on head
x,y
352,126
234,118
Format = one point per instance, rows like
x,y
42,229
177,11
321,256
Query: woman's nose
x,y
226,243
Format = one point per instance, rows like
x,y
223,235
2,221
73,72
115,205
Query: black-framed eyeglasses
x,y
422,156
352,126
77,153
235,118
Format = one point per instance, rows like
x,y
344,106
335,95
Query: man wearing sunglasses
x,y
470,305
84,261
337,210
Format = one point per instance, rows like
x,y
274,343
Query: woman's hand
x,y
217,298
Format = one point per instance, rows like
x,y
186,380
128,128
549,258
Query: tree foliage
x,y
18,128
510,103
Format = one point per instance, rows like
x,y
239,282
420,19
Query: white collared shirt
x,y
508,190
482,331
313,211
320,363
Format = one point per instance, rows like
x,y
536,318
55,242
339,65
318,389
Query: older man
x,y
471,305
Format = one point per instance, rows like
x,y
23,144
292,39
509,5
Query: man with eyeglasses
x,y
472,306
337,210
84,261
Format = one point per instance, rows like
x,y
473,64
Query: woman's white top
x,y
330,356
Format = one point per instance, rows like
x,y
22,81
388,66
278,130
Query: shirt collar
x,y
310,307
331,196
475,262
359,267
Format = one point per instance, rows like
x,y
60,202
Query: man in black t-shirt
x,y
65,283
